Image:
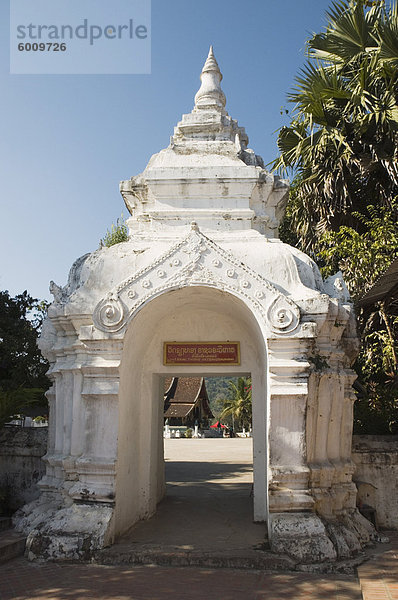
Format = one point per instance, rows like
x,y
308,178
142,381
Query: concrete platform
x,y
206,518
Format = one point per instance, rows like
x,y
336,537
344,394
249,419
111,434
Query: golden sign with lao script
x,y
201,353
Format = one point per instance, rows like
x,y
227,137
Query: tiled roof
x,y
178,410
182,394
188,389
384,286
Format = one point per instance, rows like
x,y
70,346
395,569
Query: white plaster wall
x,y
190,314
287,436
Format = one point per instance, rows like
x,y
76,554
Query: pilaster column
x,y
94,436
288,385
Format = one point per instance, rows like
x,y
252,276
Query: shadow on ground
x,y
204,472
20,580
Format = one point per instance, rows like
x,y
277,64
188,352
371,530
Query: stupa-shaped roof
x,y
207,174
209,122
210,94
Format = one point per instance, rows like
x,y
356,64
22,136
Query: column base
x,y
308,539
57,532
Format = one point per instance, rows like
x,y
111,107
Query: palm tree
x,y
342,142
239,405
342,147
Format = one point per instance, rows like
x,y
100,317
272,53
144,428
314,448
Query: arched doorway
x,y
195,313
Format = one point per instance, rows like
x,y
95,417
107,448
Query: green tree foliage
x,y
15,402
342,147
239,404
118,233
342,140
218,390
363,258
22,367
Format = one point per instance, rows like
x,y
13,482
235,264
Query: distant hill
x,y
218,391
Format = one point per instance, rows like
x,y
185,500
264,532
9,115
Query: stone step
x,y
12,544
176,557
5,523
229,558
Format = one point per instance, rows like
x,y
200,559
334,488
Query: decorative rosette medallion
x,y
110,314
283,316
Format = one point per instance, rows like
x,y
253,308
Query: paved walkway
x,y
20,580
379,576
209,500
228,470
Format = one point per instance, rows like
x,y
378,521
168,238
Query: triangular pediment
x,y
196,261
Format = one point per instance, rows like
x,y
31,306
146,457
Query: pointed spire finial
x,y
210,94
211,63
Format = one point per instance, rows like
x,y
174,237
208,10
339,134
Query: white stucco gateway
x,y
203,263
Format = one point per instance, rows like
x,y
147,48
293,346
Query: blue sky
x,y
67,140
